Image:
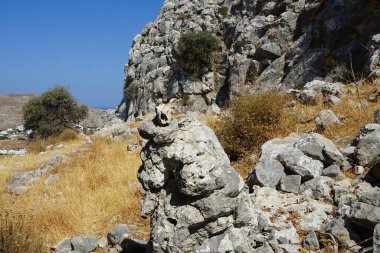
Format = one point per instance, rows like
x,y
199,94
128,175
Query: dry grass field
x,y
97,189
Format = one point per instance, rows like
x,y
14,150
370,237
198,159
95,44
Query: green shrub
x,y
130,91
194,51
52,112
16,236
253,119
223,11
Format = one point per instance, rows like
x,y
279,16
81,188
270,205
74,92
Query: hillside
x,y
11,112
11,109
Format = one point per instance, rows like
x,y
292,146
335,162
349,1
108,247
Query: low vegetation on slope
x,y
251,120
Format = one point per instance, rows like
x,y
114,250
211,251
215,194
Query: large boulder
x,y
195,199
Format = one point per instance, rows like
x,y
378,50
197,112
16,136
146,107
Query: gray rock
x,y
369,128
309,97
348,151
18,190
102,243
365,215
119,233
337,228
290,183
376,239
274,44
311,241
332,171
332,100
267,173
318,188
64,246
298,163
85,244
327,120
320,148
191,190
367,152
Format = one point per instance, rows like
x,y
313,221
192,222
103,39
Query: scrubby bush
x,y
194,51
52,112
130,91
68,135
16,236
223,11
252,120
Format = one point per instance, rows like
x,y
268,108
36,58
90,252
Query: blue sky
x,y
81,44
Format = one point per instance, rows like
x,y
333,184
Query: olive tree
x,y
52,112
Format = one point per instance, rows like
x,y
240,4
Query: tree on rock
x,y
52,112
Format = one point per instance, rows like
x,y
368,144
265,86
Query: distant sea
x,y
104,107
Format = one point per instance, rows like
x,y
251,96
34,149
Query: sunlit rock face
x,y
263,45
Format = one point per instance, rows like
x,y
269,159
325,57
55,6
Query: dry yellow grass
x,y
94,187
300,119
354,118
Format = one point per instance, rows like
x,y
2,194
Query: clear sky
x,y
81,44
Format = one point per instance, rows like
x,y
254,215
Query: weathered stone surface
x,y
267,173
332,171
290,183
191,189
309,97
296,162
365,215
119,233
319,187
367,152
327,120
264,45
311,241
369,128
64,246
84,244
319,147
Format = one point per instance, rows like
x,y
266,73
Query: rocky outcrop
x,y
296,198
197,202
263,45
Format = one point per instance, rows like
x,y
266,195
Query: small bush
x,y
16,236
194,51
130,91
253,120
223,11
52,112
68,135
